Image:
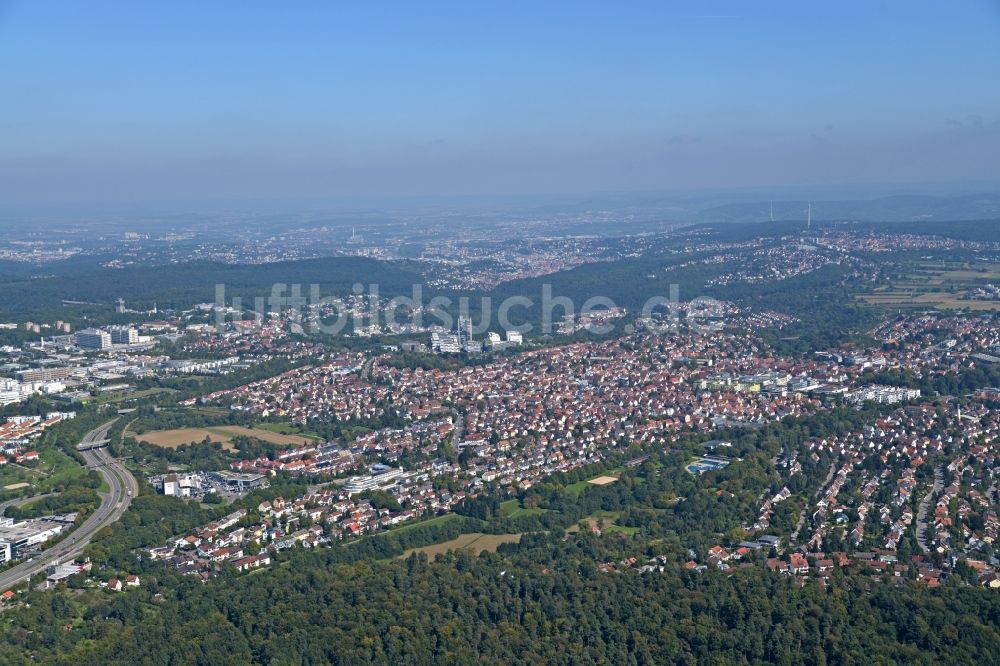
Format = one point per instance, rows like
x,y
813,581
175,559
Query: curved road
x,y
113,504
21,501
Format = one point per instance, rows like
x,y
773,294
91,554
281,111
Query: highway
x,y
123,488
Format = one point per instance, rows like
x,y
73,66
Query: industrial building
x,y
17,537
237,482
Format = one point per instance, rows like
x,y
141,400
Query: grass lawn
x,y
512,508
436,520
621,530
608,517
14,475
53,467
475,541
59,466
575,489
287,429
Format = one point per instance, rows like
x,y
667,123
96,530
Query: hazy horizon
x,y
122,103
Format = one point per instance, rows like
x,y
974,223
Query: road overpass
x,y
122,488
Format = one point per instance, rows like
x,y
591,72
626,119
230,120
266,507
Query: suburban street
x,y
459,431
925,504
123,488
819,491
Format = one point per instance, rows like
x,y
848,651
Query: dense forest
x,y
542,601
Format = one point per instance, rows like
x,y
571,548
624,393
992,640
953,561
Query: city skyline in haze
x,y
133,102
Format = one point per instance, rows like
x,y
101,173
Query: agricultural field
x,y
222,434
477,542
939,285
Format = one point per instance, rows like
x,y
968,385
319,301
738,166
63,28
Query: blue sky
x,y
105,101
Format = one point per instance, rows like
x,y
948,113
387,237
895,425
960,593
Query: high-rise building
x,y
464,331
92,338
123,335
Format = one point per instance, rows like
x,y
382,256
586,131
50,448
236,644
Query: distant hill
x,y
902,208
984,230
182,285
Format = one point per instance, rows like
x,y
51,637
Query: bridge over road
x,y
123,487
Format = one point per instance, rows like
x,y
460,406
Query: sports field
x,y
580,486
603,480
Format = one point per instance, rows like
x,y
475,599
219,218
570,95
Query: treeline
x,y
150,521
822,300
198,385
147,419
968,230
79,498
197,456
543,601
965,381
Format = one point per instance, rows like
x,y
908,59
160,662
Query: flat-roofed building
x,y
384,478
92,338
123,335
239,482
19,536
44,375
